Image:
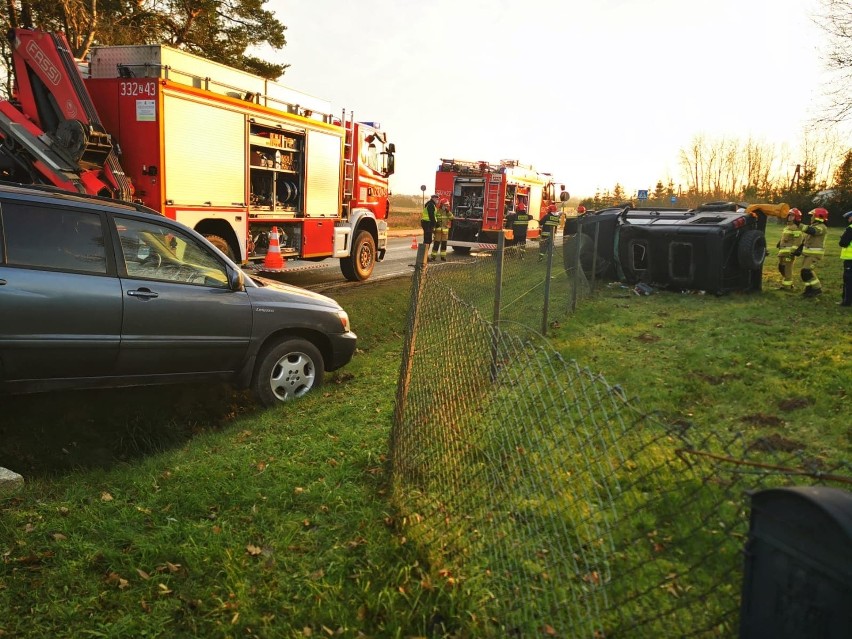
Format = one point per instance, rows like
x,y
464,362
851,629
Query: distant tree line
x,y
750,172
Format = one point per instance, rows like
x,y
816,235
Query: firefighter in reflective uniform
x,y
846,256
443,218
812,248
518,220
791,237
427,219
549,223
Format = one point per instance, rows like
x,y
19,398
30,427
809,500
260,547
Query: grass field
x,y
189,512
404,217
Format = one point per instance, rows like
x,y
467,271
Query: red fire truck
x,y
227,153
481,194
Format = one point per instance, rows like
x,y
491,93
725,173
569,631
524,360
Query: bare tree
x,y
835,19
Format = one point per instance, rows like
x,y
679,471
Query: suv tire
x,y
286,370
751,251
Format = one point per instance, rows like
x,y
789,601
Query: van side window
x,y
53,238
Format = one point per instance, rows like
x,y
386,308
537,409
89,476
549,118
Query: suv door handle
x,y
144,293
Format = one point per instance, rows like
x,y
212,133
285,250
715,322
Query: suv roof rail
x,y
49,188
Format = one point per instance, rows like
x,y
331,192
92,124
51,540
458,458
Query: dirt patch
x,y
762,419
760,321
776,443
794,403
713,380
647,337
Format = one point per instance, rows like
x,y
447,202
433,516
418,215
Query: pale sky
x,y
593,92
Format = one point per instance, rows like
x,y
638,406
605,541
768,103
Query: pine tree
x,y
219,30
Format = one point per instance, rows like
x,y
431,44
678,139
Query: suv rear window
x,y
61,239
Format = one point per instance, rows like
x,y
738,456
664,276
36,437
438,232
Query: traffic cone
x,y
414,242
273,259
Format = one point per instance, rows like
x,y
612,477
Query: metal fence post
x,y
498,301
576,265
547,273
409,346
594,258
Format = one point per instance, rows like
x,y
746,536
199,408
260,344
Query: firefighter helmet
x,y
551,208
796,213
444,202
521,206
581,209
819,214
848,216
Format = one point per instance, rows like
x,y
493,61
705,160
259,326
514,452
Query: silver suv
x,y
95,293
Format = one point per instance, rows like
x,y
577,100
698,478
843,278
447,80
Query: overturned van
x,y
717,247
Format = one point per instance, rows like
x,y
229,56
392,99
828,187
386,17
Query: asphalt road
x,y
319,276
398,262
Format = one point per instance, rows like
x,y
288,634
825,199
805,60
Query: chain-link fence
x,y
548,501
531,285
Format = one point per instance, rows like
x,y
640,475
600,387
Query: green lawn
x,y
190,512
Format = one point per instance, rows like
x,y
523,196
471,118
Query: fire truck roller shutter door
x,y
197,157
322,182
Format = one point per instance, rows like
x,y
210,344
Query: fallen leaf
x,y
143,574
106,496
253,550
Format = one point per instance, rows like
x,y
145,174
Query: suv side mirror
x,y
236,281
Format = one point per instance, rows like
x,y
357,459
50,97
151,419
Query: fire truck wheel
x,y
362,258
286,370
221,244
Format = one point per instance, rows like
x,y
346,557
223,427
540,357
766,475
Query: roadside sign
x,y
674,199
643,194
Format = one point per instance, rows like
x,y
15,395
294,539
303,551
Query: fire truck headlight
x,y
344,320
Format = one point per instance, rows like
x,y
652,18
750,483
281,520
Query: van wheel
x,y
751,250
358,266
221,243
286,370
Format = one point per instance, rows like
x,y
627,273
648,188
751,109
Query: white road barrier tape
x,y
472,245
287,268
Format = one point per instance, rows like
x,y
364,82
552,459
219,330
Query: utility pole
x,y
796,175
